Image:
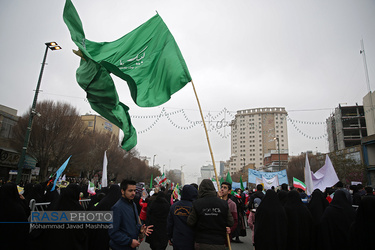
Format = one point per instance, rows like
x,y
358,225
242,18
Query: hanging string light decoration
x,y
219,122
293,122
215,123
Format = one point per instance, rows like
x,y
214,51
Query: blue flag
x,y
59,172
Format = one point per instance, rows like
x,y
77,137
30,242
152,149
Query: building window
x,y
91,124
6,128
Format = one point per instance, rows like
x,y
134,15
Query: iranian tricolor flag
x,y
157,179
162,179
91,188
176,192
299,184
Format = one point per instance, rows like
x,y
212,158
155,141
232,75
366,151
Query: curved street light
x,y
51,46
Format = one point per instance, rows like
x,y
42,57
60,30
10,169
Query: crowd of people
x,y
203,217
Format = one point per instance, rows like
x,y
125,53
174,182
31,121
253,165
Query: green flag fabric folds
x,y
229,178
147,58
222,180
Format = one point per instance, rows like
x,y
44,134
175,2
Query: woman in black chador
x,y
361,232
300,222
157,215
335,223
317,205
99,238
64,237
13,209
35,192
270,224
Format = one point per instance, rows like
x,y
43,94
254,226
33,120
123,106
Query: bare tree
x,y
59,132
56,134
296,166
347,169
99,143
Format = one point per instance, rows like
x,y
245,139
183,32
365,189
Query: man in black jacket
x,y
180,235
210,218
258,194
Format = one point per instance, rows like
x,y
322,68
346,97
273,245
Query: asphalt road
x,y
247,243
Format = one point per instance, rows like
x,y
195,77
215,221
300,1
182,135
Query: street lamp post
x,y
51,46
278,147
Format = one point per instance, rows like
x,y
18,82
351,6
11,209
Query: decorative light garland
x,y
218,125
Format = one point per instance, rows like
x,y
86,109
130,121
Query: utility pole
x,y
21,162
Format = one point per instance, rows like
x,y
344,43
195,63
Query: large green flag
x,y
242,187
228,179
147,58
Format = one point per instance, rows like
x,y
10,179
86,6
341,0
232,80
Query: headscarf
x,y
282,194
68,200
35,192
109,199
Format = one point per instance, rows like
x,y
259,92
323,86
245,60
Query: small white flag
x,y
104,173
308,177
326,176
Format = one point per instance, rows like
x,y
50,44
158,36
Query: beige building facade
x,y
99,124
369,110
255,132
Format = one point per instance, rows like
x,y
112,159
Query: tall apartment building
x,y
178,176
346,127
207,172
254,133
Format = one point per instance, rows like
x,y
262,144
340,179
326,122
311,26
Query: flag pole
x,y
209,146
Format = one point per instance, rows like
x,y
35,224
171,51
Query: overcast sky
x,y
301,55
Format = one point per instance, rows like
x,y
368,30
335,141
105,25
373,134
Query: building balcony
x,y
346,138
354,128
354,116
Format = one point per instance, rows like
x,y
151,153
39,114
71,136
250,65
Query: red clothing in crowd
x,y
143,213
